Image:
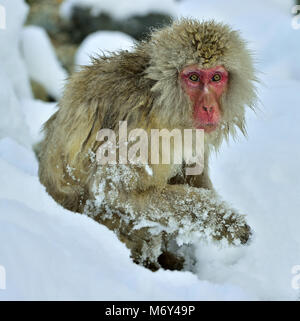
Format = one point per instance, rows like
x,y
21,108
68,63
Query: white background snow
x,y
92,45
120,9
50,253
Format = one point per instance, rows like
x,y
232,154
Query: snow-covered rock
x,y
41,61
120,9
11,62
102,42
14,81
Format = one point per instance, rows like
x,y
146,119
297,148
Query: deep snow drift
x,y
51,253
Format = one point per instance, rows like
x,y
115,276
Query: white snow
x,y
36,113
120,9
102,42
149,170
12,119
11,63
13,74
41,61
51,253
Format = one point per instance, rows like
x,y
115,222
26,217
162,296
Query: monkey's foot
x,y
170,261
166,260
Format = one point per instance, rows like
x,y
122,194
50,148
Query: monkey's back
x,y
96,97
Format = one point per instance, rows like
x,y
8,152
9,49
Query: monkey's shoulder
x,y
111,75
121,63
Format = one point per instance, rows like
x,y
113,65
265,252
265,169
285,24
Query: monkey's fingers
x,y
245,234
233,228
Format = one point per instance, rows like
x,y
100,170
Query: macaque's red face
x,y
205,88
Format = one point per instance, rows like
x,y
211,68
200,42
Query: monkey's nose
x,y
208,109
209,112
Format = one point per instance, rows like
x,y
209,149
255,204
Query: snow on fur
x,y
51,253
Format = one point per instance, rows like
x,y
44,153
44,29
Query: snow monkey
x,y
189,75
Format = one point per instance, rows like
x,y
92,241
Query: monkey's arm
x,y
179,210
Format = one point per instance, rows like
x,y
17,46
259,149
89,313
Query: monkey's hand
x,y
201,210
232,227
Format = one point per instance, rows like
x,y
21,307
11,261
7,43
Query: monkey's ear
x,y
241,94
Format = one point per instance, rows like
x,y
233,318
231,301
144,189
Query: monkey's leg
x,y
147,248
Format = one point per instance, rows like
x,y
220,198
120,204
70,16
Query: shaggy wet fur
x,y
141,87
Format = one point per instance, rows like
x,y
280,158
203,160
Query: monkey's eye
x,y
216,77
194,77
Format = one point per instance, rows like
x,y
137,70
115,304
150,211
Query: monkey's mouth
x,y
208,127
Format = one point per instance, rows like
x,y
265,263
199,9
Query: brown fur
x,y
142,87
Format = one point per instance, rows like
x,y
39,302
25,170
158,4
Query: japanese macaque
x,y
189,75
